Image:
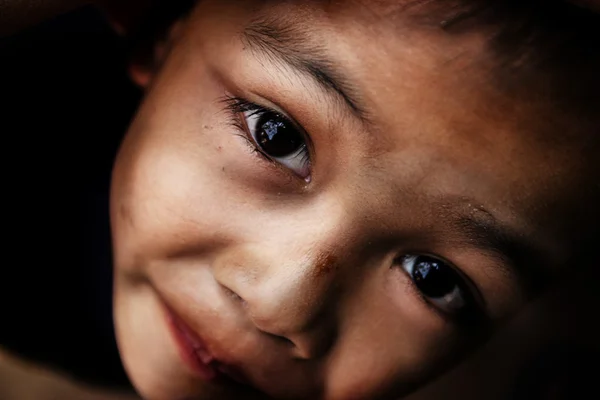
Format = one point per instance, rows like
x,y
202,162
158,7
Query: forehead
x,y
407,75
385,49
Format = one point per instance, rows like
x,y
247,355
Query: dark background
x,y
65,103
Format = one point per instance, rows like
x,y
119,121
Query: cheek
x,y
174,176
391,342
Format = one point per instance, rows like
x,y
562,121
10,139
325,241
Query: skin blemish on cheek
x,y
325,264
125,214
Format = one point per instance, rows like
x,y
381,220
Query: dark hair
x,y
544,53
554,38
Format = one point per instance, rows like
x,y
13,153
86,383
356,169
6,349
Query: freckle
x,y
325,264
223,169
208,127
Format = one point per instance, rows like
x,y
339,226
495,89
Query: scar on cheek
x,y
325,264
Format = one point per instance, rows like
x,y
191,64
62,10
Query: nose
x,y
300,307
291,296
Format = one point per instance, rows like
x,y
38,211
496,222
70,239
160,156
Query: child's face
x,y
365,246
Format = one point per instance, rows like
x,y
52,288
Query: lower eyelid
x,y
261,157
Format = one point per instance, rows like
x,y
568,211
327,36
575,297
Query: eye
x,y
272,134
279,139
439,283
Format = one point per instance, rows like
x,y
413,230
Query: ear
x,y
149,49
150,27
125,16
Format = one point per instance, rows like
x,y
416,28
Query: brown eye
x,y
276,136
439,283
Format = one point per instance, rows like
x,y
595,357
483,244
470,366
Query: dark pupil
x,y
276,137
433,278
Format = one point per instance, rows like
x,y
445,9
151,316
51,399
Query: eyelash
x,y
237,106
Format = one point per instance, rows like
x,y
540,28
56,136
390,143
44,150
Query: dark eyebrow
x,y
520,256
289,44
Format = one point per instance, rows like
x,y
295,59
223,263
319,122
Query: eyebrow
x,y
518,254
289,44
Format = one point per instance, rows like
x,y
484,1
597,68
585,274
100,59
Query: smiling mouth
x,y
196,355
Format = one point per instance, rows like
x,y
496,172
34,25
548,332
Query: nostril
x,y
280,339
302,347
234,296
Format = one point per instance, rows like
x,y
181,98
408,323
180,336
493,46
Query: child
x,y
339,200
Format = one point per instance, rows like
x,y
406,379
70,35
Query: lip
x,y
191,349
196,355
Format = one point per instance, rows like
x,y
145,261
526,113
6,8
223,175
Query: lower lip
x,y
191,349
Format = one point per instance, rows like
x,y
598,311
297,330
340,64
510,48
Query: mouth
x,y
196,355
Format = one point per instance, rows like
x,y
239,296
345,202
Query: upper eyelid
x,y
258,108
